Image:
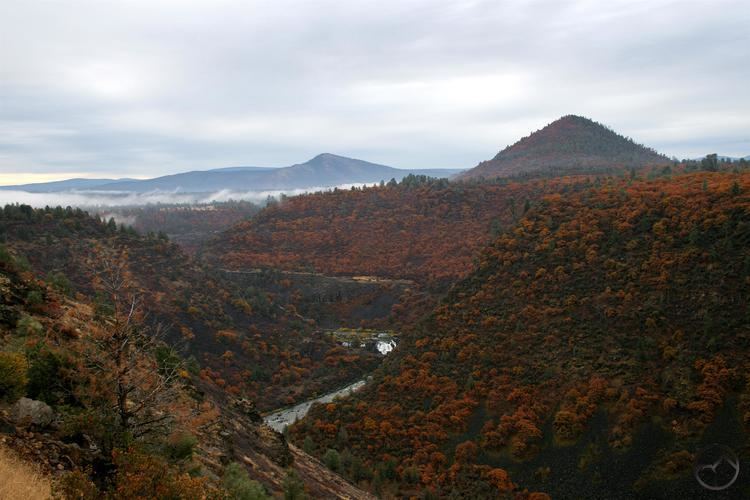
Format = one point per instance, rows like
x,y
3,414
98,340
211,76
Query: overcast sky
x,y
144,88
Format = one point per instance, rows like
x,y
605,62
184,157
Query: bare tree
x,y
134,386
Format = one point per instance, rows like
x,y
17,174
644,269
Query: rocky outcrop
x,y
239,435
44,449
243,429
31,412
247,408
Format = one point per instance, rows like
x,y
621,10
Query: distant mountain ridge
x,y
67,184
571,144
324,170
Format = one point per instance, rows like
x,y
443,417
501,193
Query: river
x,y
279,420
381,341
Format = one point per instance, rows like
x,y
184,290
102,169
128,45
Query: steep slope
x,y
181,432
421,229
240,337
600,344
569,145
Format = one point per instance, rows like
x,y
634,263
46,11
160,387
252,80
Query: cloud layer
x,y
145,88
98,199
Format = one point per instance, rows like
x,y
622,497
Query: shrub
x,y
167,359
6,258
28,326
22,263
60,282
387,469
102,306
75,485
239,485
10,261
308,445
13,379
294,488
346,460
358,471
411,475
45,380
192,366
140,475
180,446
34,298
332,459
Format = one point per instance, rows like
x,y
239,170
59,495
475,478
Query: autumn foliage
x,y
611,309
243,339
427,230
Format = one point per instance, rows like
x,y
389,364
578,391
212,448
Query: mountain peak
x,y
574,119
328,157
570,144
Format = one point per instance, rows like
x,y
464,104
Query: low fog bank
x,y
87,199
120,219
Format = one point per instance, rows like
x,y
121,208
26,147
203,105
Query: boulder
x,y
29,411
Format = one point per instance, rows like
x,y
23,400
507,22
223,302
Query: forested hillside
x,y
95,401
423,229
591,323
569,145
600,343
239,337
187,225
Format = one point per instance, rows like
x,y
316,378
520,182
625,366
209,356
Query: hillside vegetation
x,y
240,338
187,225
599,344
112,405
569,145
422,229
103,406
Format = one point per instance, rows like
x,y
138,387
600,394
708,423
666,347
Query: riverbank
x,y
280,419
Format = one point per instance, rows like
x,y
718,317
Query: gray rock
x,y
29,411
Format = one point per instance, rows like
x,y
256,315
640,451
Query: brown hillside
x,y
421,229
240,337
571,144
598,346
55,351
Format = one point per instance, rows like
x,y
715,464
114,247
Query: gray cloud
x,y
144,88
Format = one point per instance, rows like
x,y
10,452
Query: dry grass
x,y
20,480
